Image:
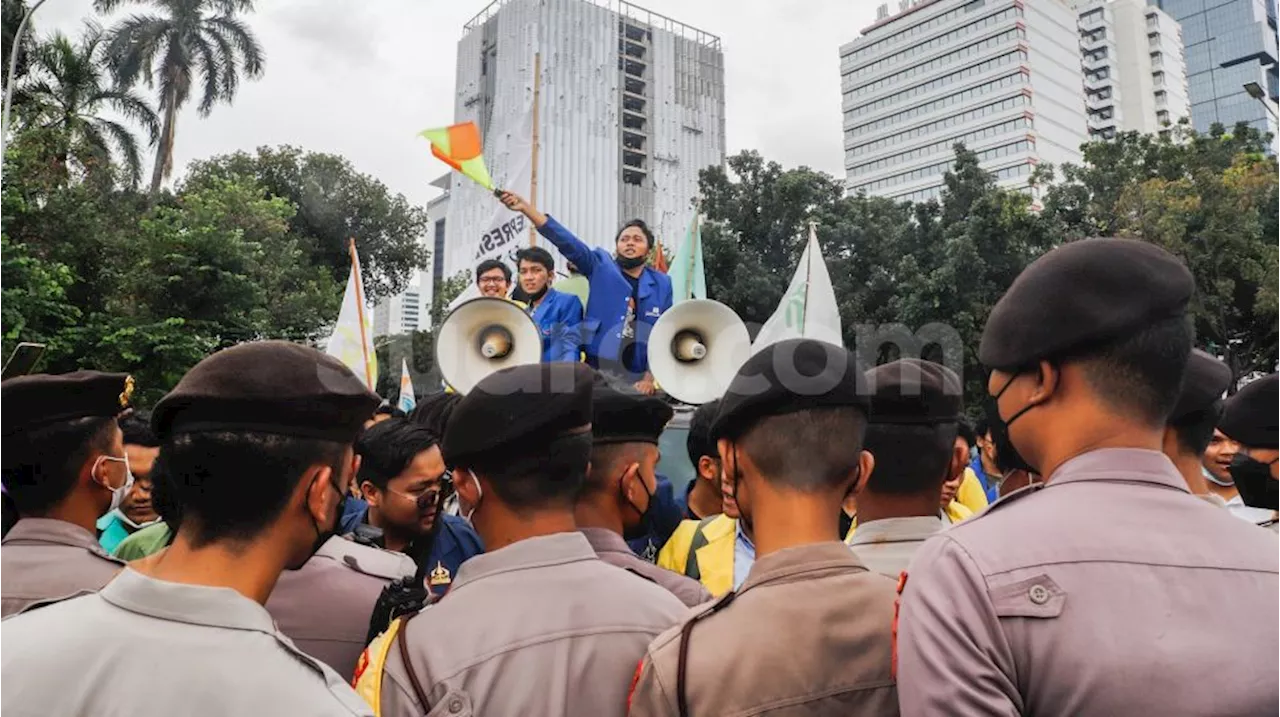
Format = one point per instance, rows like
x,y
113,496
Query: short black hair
x,y
233,485
489,264
982,427
965,431
1140,375
604,463
550,475
163,497
387,448
537,255
811,450
40,466
909,459
136,428
1194,430
639,224
699,442
434,411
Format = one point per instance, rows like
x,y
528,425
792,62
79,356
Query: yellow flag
x,y
459,146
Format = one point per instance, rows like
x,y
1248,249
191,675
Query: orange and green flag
x,y
459,147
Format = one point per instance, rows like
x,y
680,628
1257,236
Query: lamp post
x,y
1256,92
13,70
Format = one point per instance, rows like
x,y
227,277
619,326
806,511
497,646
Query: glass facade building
x,y
1228,43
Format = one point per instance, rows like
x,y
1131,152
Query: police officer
x,y
538,625
256,441
1250,419
64,467
1091,593
621,483
809,630
324,607
915,413
1191,425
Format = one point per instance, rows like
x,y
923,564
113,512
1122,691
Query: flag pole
x,y
364,338
695,245
533,176
808,274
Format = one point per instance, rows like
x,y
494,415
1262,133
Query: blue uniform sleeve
x,y
567,339
570,246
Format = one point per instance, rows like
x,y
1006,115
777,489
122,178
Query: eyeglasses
x,y
491,280
430,495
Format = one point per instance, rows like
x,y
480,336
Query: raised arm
x,y
569,245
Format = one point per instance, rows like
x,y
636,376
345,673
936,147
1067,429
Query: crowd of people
x,y
279,543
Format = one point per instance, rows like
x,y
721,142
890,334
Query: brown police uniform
x,y
325,605
612,549
540,627
1108,589
809,630
45,559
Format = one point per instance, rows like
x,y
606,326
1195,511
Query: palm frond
x,y
230,80
211,70
133,107
126,146
132,45
233,29
175,75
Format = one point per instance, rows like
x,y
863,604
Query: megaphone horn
x,y
482,336
695,348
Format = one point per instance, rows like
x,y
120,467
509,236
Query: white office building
x,y
630,110
1135,74
1000,76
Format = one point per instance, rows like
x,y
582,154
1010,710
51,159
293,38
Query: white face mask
x,y
1215,479
117,494
479,495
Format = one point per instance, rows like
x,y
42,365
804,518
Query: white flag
x,y
808,309
352,339
407,400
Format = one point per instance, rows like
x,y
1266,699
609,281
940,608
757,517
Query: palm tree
x,y
65,90
189,38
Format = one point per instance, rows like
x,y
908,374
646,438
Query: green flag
x,y
688,276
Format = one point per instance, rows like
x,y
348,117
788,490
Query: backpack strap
x,y
408,664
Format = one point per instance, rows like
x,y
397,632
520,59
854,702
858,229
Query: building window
x,y
1163,117
437,257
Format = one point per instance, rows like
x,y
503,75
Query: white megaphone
x,y
696,348
481,336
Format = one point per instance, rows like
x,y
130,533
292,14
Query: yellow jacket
x,y
970,494
709,542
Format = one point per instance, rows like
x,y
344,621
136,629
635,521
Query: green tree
x,y
188,40
444,294
11,13
66,90
334,204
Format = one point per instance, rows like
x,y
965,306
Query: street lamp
x,y
13,70
1256,92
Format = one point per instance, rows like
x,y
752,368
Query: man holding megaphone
x,y
626,296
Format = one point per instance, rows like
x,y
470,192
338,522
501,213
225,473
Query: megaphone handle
x,y
498,192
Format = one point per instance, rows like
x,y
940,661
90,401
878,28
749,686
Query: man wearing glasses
x,y
404,481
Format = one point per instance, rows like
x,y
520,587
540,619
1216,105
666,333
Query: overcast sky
x,y
362,77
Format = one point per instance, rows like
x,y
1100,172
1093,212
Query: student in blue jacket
x,y
626,296
558,316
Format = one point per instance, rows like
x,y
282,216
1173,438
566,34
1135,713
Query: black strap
x,y
682,664
408,664
698,542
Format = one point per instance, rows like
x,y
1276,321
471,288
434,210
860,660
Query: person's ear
x,y
1048,377
370,493
866,466
465,486
708,468
632,483
320,492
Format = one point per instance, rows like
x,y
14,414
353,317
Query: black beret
x,y
787,377
518,408
1205,381
1082,294
41,399
911,391
267,387
621,415
1250,416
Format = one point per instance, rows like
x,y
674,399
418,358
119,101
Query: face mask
x,y
323,534
1209,476
540,293
1253,479
631,262
645,526
479,495
1007,457
117,494
125,519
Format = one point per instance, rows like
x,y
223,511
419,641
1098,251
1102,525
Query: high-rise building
x,y
1000,76
1135,75
630,110
1229,44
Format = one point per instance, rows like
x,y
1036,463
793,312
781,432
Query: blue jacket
x,y
456,542
607,306
991,489
559,320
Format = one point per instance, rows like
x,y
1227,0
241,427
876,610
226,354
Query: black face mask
x,y
1253,479
1007,457
645,526
631,262
323,534
540,293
